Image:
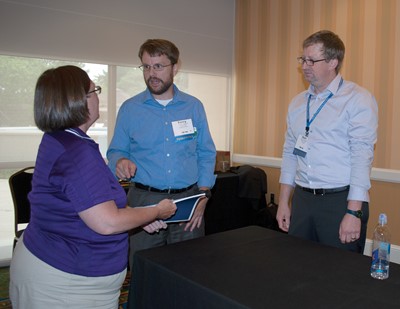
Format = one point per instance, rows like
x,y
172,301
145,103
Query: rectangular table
x,y
254,267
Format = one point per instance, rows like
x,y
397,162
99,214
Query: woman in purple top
x,y
73,254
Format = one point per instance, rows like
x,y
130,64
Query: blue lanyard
x,y
316,113
308,121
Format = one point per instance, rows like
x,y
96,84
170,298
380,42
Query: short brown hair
x,y
60,98
158,47
333,45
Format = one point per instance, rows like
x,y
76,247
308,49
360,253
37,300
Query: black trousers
x,y
318,217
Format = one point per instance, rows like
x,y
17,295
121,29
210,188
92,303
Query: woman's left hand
x,y
155,226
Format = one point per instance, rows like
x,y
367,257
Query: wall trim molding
x,y
394,251
378,174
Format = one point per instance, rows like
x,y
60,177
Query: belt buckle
x,y
315,192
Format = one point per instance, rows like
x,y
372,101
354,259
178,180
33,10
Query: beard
x,y
162,86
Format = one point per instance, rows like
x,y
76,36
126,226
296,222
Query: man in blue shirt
x,y
163,145
328,151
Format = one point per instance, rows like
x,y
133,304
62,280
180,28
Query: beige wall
x,y
269,34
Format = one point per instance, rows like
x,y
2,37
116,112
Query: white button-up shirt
x,y
340,147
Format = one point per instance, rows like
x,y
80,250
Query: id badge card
x,y
300,149
183,129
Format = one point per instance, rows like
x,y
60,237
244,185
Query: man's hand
x,y
350,227
125,169
283,216
283,213
198,215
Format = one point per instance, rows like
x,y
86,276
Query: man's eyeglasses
x,y
96,89
309,62
156,67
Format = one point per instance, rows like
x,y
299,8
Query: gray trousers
x,y
318,217
140,239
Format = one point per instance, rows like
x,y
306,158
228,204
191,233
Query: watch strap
x,y
355,213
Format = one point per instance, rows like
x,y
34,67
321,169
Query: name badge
x,y
300,149
183,129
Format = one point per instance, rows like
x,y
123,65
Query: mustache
x,y
150,79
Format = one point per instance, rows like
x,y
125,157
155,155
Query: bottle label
x,y
382,252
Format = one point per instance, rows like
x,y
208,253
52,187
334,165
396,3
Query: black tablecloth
x,y
254,267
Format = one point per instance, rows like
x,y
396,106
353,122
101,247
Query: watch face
x,y
359,213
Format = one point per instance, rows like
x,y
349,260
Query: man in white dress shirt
x,y
328,151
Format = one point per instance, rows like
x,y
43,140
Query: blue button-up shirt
x,y
144,135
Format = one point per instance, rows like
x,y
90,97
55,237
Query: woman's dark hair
x,y
60,98
158,47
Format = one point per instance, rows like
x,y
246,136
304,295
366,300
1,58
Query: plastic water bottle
x,y
381,250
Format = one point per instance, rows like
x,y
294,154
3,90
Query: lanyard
x,y
308,121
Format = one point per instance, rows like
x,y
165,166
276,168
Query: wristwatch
x,y
356,213
207,192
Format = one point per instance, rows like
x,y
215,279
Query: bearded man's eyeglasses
x,y
156,67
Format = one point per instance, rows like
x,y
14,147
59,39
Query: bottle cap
x,y
382,219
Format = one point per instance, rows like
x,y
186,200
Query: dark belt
x,y
324,191
169,191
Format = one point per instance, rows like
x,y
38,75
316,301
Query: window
x,y
20,138
211,90
17,84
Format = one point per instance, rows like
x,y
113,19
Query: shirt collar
x,y
78,132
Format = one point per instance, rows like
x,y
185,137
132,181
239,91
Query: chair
x,y
20,185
